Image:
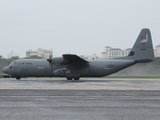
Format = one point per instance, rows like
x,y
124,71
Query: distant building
x,y
12,54
114,52
157,51
117,52
40,53
90,57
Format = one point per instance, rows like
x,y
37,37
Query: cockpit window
x,y
13,63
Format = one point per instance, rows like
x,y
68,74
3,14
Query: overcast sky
x,y
82,27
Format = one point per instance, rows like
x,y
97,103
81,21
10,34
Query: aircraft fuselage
x,y
41,67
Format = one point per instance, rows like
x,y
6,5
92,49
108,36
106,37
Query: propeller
x,y
50,61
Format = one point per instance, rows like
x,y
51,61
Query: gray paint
x,y
72,66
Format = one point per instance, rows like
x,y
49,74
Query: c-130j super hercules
x,y
73,67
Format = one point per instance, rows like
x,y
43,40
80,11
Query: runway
x,y
59,99
82,84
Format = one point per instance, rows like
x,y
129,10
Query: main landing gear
x,y
18,77
70,78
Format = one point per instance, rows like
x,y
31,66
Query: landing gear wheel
x,y
69,78
18,77
76,78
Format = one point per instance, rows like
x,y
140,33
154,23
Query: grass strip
x,y
132,77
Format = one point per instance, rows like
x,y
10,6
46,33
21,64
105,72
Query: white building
x,y
157,51
12,54
114,52
90,57
40,53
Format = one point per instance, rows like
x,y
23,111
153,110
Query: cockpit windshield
x,y
12,63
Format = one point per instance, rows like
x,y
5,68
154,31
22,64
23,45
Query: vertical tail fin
x,y
142,50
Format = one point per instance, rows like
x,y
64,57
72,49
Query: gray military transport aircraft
x,y
73,67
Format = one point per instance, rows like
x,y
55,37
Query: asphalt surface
x,y
82,84
31,99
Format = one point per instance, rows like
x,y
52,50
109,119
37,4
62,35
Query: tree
x,y
0,57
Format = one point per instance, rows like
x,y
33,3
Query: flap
x,y
73,58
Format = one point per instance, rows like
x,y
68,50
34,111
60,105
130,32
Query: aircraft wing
x,y
73,58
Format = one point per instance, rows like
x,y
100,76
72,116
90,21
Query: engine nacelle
x,y
59,61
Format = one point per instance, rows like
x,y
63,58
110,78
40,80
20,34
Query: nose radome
x,y
5,70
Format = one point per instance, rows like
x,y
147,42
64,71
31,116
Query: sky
x,y
82,27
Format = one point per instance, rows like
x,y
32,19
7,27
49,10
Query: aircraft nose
x,y
5,70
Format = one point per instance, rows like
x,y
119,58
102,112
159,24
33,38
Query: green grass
x,y
132,77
